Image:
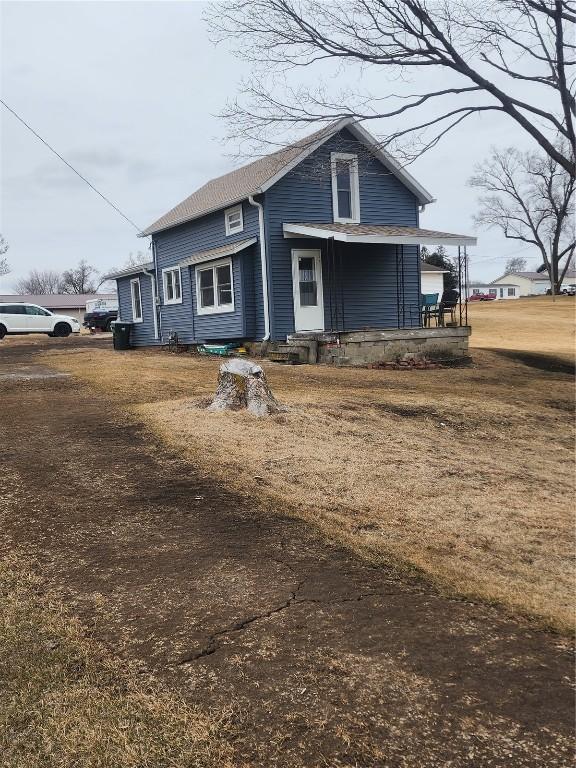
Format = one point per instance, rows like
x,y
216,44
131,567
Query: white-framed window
x,y
136,297
492,291
345,188
511,292
234,220
215,287
172,282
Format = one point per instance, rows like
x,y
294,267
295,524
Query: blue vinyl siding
x,y
142,333
179,243
305,195
361,289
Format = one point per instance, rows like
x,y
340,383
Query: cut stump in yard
x,y
242,384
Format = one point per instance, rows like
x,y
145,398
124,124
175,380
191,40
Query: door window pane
x,y
13,309
307,281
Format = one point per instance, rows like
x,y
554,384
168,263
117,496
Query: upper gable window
x,y
345,188
234,220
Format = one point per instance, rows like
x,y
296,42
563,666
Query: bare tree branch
x,y
530,198
487,48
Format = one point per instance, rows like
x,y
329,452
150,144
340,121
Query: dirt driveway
x,y
326,660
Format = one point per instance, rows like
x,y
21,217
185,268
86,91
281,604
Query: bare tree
x,y
39,282
530,198
515,264
81,279
504,56
4,266
133,260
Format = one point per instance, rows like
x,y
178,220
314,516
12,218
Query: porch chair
x,y
447,306
429,307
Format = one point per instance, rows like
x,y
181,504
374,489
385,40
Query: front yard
x,y
463,474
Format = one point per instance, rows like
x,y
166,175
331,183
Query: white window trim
x,y
217,309
165,285
227,212
354,187
134,318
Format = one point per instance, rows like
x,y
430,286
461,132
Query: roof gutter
x,y
263,266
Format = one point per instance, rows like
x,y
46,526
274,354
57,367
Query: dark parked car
x,y
100,319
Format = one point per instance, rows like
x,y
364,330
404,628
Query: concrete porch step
x,y
284,356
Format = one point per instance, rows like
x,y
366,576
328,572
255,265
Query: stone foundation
x,y
372,346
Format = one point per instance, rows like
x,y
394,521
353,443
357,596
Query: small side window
x,y
172,286
136,297
234,220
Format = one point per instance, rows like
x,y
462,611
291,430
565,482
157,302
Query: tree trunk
x,y
242,384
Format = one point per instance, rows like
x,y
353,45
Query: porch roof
x,y
376,233
217,253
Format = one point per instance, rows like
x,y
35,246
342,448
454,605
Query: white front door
x,y
307,287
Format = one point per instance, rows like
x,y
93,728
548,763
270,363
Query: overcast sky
x,y
129,93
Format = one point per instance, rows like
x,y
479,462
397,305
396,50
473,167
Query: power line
x,y
110,203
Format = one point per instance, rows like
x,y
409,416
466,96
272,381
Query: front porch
x,y
441,344
355,278
358,299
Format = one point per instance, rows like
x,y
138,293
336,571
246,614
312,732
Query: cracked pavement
x,y
325,659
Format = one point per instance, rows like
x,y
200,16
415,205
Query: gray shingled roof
x,y
253,178
425,267
392,233
236,185
133,270
570,275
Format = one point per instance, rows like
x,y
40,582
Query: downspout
x,y
154,279
263,266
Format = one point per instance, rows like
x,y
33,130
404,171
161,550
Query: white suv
x,y
30,318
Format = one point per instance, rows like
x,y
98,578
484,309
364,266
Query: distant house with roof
x,y
321,237
532,283
71,304
500,291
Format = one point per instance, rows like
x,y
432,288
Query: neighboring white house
x,y
500,291
71,304
532,283
432,279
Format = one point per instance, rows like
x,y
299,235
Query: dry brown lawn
x,y
536,324
465,474
66,702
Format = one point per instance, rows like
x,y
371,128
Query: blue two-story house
x,y
321,236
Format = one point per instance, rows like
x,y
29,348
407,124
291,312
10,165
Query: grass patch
x,y
65,702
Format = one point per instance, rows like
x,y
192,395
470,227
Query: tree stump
x,y
242,384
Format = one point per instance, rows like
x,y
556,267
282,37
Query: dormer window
x,y
234,220
345,188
